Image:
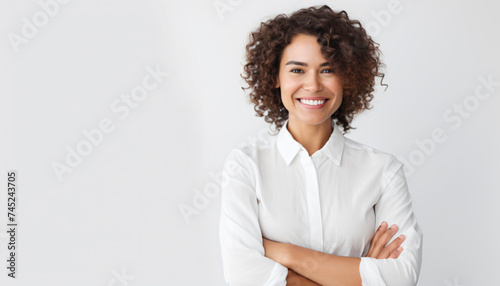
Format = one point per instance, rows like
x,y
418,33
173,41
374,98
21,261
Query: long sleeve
x,y
395,207
240,234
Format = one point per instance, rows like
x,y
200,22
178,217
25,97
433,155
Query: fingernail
x,y
400,248
402,236
393,226
383,224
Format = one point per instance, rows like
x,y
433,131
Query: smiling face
x,y
310,91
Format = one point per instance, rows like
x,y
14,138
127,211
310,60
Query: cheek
x,y
339,102
289,80
287,89
339,98
286,99
336,88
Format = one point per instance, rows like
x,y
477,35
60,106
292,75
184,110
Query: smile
x,y
313,104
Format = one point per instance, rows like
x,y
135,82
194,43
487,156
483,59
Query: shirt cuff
x,y
370,275
278,276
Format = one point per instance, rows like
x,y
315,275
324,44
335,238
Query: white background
x,y
116,219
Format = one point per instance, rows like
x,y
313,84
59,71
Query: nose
x,y
313,83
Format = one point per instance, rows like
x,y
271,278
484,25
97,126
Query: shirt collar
x,y
289,147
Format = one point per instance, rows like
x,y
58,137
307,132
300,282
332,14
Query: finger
x,y
380,231
396,253
392,246
387,235
387,251
382,241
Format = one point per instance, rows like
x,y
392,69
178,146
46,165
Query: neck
x,y
312,137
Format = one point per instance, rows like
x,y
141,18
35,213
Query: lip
x,y
313,106
312,98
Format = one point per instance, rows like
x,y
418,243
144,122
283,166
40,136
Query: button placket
x,y
313,201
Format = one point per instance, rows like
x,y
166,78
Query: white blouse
x,y
332,201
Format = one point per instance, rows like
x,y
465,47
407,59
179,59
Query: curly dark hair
x,y
344,43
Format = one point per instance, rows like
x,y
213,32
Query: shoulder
x,y
249,150
372,157
256,144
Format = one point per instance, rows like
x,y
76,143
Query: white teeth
x,y
312,102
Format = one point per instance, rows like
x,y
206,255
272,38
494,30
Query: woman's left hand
x,y
277,251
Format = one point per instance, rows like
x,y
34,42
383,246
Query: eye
x,y
328,71
296,71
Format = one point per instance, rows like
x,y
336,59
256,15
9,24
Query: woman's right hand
x,y
378,248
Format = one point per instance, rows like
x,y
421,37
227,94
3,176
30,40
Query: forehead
x,y
303,48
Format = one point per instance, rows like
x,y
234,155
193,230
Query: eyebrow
x,y
304,64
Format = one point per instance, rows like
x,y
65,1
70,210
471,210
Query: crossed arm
x,y
250,259
311,267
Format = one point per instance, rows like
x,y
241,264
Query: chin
x,y
314,121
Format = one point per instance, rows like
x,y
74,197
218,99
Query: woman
x,y
308,206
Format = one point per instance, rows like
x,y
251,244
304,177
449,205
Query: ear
x,y
277,83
